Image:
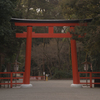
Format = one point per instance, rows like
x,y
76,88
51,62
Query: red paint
x,y
74,62
29,35
44,35
37,78
11,78
90,80
46,24
90,77
28,55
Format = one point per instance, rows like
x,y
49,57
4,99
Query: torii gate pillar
x,y
74,64
28,58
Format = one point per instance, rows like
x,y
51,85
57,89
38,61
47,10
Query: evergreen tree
x,y
82,9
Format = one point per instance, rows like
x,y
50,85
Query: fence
x,y
10,76
37,78
89,76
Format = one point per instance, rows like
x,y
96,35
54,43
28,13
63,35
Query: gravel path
x,y
50,90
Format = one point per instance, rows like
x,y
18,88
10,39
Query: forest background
x,y
52,56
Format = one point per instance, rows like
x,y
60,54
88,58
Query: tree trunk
x,y
8,70
49,68
58,53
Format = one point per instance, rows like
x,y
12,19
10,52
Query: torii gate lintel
x,y
44,35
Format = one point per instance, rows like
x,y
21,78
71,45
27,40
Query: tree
x,y
82,9
6,11
9,45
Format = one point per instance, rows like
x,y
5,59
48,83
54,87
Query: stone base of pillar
x,y
26,85
76,85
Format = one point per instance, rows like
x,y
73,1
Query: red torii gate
x,y
50,23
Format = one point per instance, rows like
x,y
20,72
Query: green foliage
x,y
6,33
9,45
62,74
80,8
